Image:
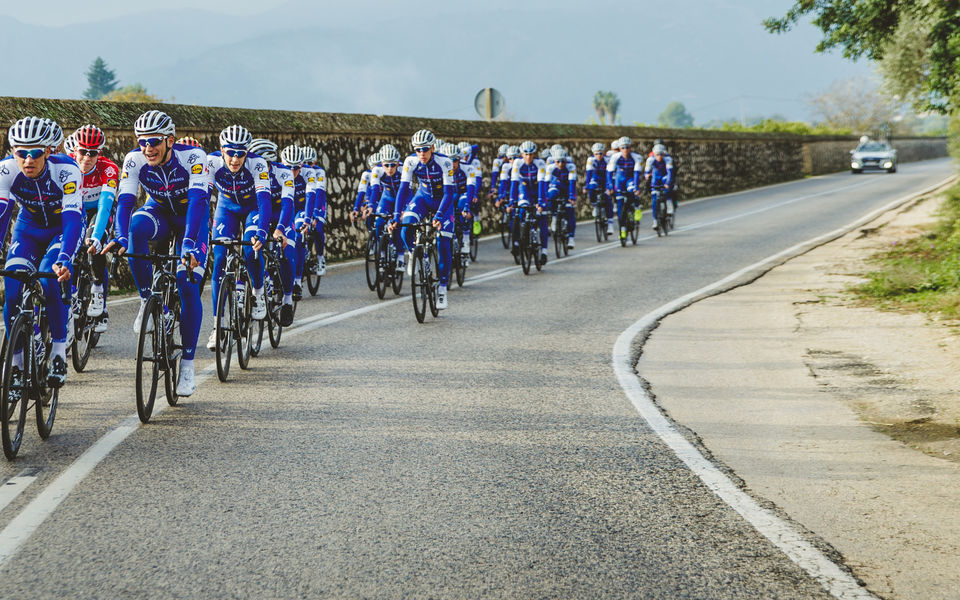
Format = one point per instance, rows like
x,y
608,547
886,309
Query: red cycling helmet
x,y
89,136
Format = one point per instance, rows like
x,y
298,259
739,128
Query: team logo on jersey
x,y
130,164
63,176
4,170
112,183
319,179
288,183
193,158
310,179
70,188
260,166
125,175
196,169
264,176
450,172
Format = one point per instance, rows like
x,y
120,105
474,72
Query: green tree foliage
x,y
100,80
857,105
675,116
131,93
607,106
917,42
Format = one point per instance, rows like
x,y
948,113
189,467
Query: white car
x,y
873,155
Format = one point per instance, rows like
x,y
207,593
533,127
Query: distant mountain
x,y
548,58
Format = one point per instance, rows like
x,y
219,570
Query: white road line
x,y
837,581
21,527
12,487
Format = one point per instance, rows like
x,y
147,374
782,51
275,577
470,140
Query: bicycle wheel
x,y
635,230
171,345
505,230
559,239
565,232
274,331
459,265
600,225
433,275
226,311
604,216
474,246
13,408
256,336
418,285
625,222
370,263
383,266
312,269
82,327
661,218
244,320
397,279
525,248
149,352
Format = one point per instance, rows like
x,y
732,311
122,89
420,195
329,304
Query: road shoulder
x,y
790,385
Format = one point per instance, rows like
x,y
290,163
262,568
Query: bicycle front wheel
x,y
313,270
370,263
383,266
418,285
505,230
226,311
245,324
82,327
433,275
398,272
148,359
459,264
16,391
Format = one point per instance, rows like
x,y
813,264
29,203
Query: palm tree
x,y
600,105
607,105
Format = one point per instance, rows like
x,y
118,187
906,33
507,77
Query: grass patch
x,y
923,273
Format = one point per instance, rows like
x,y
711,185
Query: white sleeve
x,y
130,174
447,165
515,170
72,177
321,179
196,161
261,174
409,165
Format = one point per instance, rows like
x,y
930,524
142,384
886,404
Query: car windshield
x,y
874,147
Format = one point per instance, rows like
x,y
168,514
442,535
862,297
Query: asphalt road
x,y
487,453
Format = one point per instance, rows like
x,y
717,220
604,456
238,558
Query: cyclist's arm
x,y
198,201
127,195
375,189
6,204
108,195
71,212
261,181
449,190
362,189
320,209
611,174
404,192
285,221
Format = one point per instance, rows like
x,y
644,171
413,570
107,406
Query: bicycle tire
x,y
474,247
396,280
559,242
244,333
257,338
525,249
565,232
599,227
82,331
418,285
171,345
148,350
433,275
537,251
313,265
505,230
605,217
383,266
15,413
274,331
370,263
226,310
460,266
662,220
634,231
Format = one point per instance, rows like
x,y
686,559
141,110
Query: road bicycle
x,y
311,263
273,294
370,259
504,224
388,273
28,342
561,228
84,335
457,257
159,344
600,216
629,219
530,244
664,214
425,278
234,321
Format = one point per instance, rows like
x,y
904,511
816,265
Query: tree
x,y
131,93
857,105
917,41
100,79
600,105
675,116
607,105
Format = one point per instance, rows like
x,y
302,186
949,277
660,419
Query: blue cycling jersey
x,y
595,175
525,180
381,183
561,177
247,190
179,187
623,172
281,196
435,180
50,201
660,171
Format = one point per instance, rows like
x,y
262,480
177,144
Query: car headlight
x,y
855,165
887,164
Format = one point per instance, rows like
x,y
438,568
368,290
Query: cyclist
x,y
320,206
56,136
46,234
384,184
101,177
281,218
303,202
434,175
495,169
69,146
623,172
614,148
244,203
363,187
503,180
560,184
175,180
526,175
596,179
465,191
659,172
469,158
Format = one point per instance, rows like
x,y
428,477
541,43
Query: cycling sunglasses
x,y
422,149
33,153
151,141
235,153
387,165
88,152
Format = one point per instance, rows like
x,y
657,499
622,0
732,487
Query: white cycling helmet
x,y
558,154
292,156
625,142
70,144
263,148
373,160
556,147
422,138
29,131
513,152
659,149
615,145
451,151
465,146
544,153
598,148
502,150
154,121
309,154
528,147
389,154
235,135
56,135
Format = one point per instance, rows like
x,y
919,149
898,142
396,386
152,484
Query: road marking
x,y
22,526
836,581
12,487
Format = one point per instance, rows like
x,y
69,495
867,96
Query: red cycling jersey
x,y
105,173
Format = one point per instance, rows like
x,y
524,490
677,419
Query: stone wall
x,y
708,162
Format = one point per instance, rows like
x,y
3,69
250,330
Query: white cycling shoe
x,y
322,267
95,308
409,264
609,228
441,297
186,384
259,310
654,226
139,320
570,244
212,342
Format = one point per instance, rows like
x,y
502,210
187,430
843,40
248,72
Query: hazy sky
x,y
548,57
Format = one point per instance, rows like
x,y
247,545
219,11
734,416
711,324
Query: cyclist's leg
x,y
24,255
226,226
653,207
444,251
147,224
254,260
191,308
301,250
413,213
56,309
607,200
288,264
544,222
571,217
